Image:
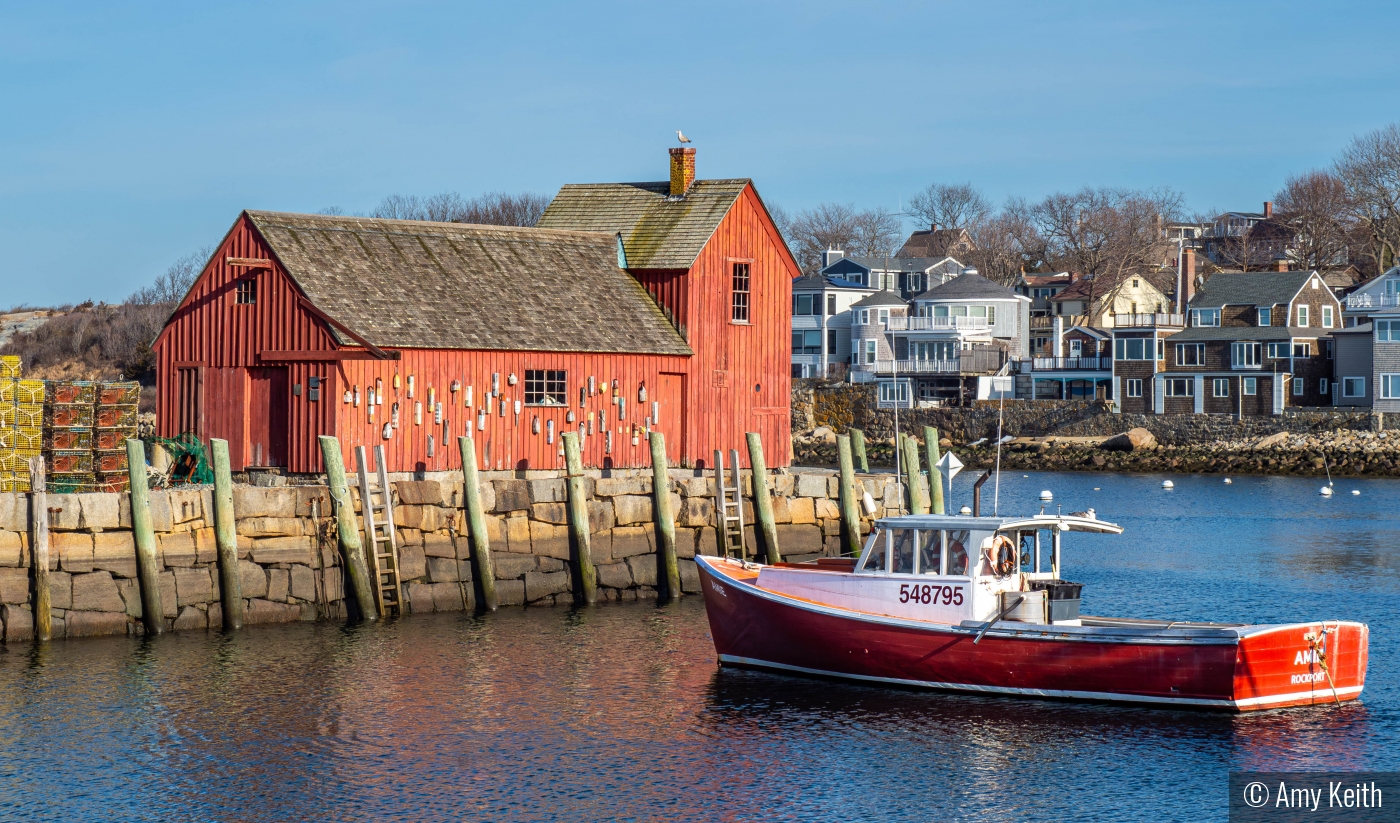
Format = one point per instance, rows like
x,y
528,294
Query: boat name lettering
x,y
1310,677
926,593
719,590
1306,657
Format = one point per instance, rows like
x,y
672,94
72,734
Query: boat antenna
x,y
898,446
1001,413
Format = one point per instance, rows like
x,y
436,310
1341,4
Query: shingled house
x,y
409,334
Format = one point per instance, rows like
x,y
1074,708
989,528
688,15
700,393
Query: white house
x,y
821,325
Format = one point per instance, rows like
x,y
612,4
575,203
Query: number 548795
x,y
931,594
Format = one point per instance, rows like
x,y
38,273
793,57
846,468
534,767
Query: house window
x,y
1249,386
1136,284
831,305
1133,388
889,389
1190,354
1390,386
1323,386
1302,350
884,317
1353,387
1279,350
1076,348
1388,330
831,342
1181,387
1266,316
1327,347
1220,387
870,351
1245,355
1205,318
1327,317
807,342
1133,348
545,387
739,304
803,304
1303,316
1297,387
246,292
1161,349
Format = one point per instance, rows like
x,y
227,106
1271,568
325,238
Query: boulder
x,y
1272,440
1131,440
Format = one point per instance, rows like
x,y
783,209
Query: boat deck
x,y
1137,623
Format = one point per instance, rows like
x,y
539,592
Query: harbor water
x,y
620,713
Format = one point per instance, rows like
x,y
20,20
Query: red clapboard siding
x,y
750,361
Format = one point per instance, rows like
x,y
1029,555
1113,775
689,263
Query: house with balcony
x,y
1095,300
821,325
1078,365
1257,343
1366,363
907,276
1380,294
1139,356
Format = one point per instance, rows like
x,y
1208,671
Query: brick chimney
x,y
1281,264
1268,209
682,171
1188,277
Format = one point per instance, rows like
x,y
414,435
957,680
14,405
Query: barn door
x,y
189,400
670,397
267,416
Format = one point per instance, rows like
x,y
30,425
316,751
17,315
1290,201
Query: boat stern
x,y
1301,664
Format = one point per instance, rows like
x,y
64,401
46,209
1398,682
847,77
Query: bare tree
x,y
1002,243
170,287
1315,205
951,206
868,233
492,208
1370,168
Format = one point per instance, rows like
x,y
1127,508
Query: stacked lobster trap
x,y
21,424
79,426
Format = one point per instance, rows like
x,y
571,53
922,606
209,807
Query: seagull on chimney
x,y
681,137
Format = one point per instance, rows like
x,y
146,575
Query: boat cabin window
x,y
922,551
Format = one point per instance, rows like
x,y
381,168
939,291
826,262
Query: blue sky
x,y
131,135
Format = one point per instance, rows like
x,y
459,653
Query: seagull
x,y
681,137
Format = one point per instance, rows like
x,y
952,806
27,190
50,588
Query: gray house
x,y
975,309
1367,363
906,275
1381,294
821,325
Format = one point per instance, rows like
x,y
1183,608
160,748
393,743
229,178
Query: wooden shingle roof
x,y
658,231
408,283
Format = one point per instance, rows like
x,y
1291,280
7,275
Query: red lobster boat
x,y
961,603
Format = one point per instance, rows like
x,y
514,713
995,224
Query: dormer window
x,y
1266,317
1205,318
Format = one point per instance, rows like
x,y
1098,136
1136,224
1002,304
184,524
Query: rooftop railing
x,y
935,323
1368,301
1128,321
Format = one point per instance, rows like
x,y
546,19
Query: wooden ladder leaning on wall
x,y
377,505
729,503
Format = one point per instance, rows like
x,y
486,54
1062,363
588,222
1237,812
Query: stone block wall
x,y
290,564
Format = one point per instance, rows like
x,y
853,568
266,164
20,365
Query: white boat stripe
x,y
1324,696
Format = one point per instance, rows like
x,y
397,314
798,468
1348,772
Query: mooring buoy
x,y
1167,484
1326,491
1046,495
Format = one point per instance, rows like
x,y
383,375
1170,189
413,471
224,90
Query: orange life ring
x,y
1001,556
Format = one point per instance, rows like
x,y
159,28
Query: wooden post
x,y
918,504
585,574
850,513
482,571
858,445
762,501
935,476
39,554
226,537
669,571
349,533
147,573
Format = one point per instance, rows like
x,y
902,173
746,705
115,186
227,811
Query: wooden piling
x,y
585,575
914,488
850,512
483,573
226,537
669,571
935,475
351,547
147,573
39,550
858,447
762,500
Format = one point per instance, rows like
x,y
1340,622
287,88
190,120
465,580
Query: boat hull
x,y
1236,668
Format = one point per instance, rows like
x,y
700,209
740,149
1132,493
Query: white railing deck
x,y
936,323
1127,321
1066,364
1367,301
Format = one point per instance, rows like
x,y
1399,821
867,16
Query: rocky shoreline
x,y
1344,453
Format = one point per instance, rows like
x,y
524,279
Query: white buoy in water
x,y
1228,481
1356,492
1167,484
1025,475
1046,495
1096,488
965,510
1326,491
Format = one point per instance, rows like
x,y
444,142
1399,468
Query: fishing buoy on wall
x,y
388,431
869,503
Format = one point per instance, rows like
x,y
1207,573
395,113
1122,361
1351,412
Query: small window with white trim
x,y
1220,387
1249,386
1181,387
1353,387
1323,385
1327,319
1303,316
1390,386
1297,387
1132,388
